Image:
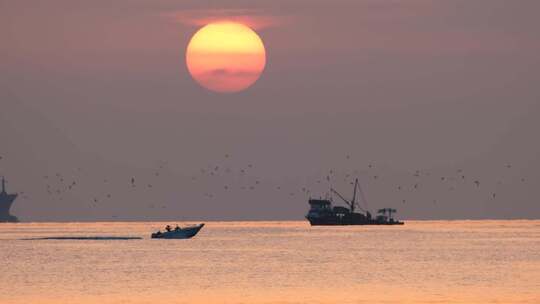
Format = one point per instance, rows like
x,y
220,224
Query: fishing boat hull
x,y
184,233
337,221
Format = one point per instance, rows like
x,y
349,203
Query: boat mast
x,y
3,185
353,202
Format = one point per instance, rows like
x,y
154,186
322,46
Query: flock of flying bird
x,y
56,185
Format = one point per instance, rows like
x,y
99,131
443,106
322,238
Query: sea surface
x,y
273,262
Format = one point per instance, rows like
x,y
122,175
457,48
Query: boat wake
x,y
85,238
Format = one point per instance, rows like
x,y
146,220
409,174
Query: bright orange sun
x,y
225,56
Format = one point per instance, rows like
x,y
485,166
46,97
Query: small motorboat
x,y
178,233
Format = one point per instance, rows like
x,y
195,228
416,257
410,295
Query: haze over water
x,y
274,262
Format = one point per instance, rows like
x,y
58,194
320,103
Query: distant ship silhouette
x,y
6,200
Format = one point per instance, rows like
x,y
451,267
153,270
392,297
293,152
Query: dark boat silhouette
x,y
178,233
322,213
6,201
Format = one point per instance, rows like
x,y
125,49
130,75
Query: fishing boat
x,y
322,213
178,233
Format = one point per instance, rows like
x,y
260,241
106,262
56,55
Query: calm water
x,y
274,262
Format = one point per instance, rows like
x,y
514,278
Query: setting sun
x,y
225,56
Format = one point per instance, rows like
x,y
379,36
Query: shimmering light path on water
x,y
273,262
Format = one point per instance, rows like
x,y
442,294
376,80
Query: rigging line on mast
x,y
341,197
354,196
352,203
363,197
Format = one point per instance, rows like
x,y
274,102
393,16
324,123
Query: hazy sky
x,y
98,92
